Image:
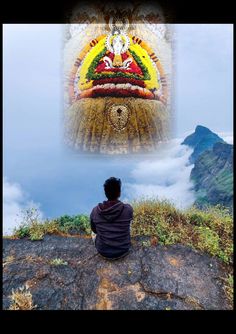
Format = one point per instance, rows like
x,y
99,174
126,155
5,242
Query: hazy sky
x,y
204,76
34,158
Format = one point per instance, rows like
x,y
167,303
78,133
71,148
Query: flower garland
x,y
104,90
93,65
152,81
146,74
122,93
94,52
82,54
156,60
89,46
84,83
119,81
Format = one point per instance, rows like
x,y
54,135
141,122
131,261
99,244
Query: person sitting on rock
x,y
110,222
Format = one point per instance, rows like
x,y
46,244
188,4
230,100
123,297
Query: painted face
x,y
117,45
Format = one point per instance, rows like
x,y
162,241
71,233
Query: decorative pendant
x,y
118,116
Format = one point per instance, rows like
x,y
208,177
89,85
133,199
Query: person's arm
x,y
132,212
92,224
131,215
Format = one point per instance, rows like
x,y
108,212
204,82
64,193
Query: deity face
x,y
117,45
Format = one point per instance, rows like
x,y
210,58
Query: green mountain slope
x,y
213,176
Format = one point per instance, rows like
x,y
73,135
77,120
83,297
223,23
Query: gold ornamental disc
x,y
118,116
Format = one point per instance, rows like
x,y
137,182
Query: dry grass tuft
x,y
58,262
229,288
9,259
21,299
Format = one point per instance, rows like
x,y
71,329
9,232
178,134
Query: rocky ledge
x,y
151,277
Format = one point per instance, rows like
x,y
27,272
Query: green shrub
x,y
22,232
34,229
36,232
165,234
208,240
209,230
30,225
79,223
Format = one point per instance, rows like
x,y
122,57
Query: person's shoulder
x,y
94,209
128,206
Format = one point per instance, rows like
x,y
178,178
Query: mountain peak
x,y
201,140
202,129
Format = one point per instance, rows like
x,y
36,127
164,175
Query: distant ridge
x,y
201,140
212,174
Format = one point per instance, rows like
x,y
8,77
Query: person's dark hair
x,y
112,188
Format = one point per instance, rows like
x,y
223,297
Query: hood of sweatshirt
x,y
110,210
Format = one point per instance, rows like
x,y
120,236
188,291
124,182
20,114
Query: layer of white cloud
x,y
15,201
166,176
227,136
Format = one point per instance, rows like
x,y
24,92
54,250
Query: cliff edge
x,y
67,273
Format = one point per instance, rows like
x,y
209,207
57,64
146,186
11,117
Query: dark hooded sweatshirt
x,y
111,220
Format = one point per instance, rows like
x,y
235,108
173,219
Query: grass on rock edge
x,y
209,230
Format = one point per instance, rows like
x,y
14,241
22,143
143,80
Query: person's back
x,y
110,221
